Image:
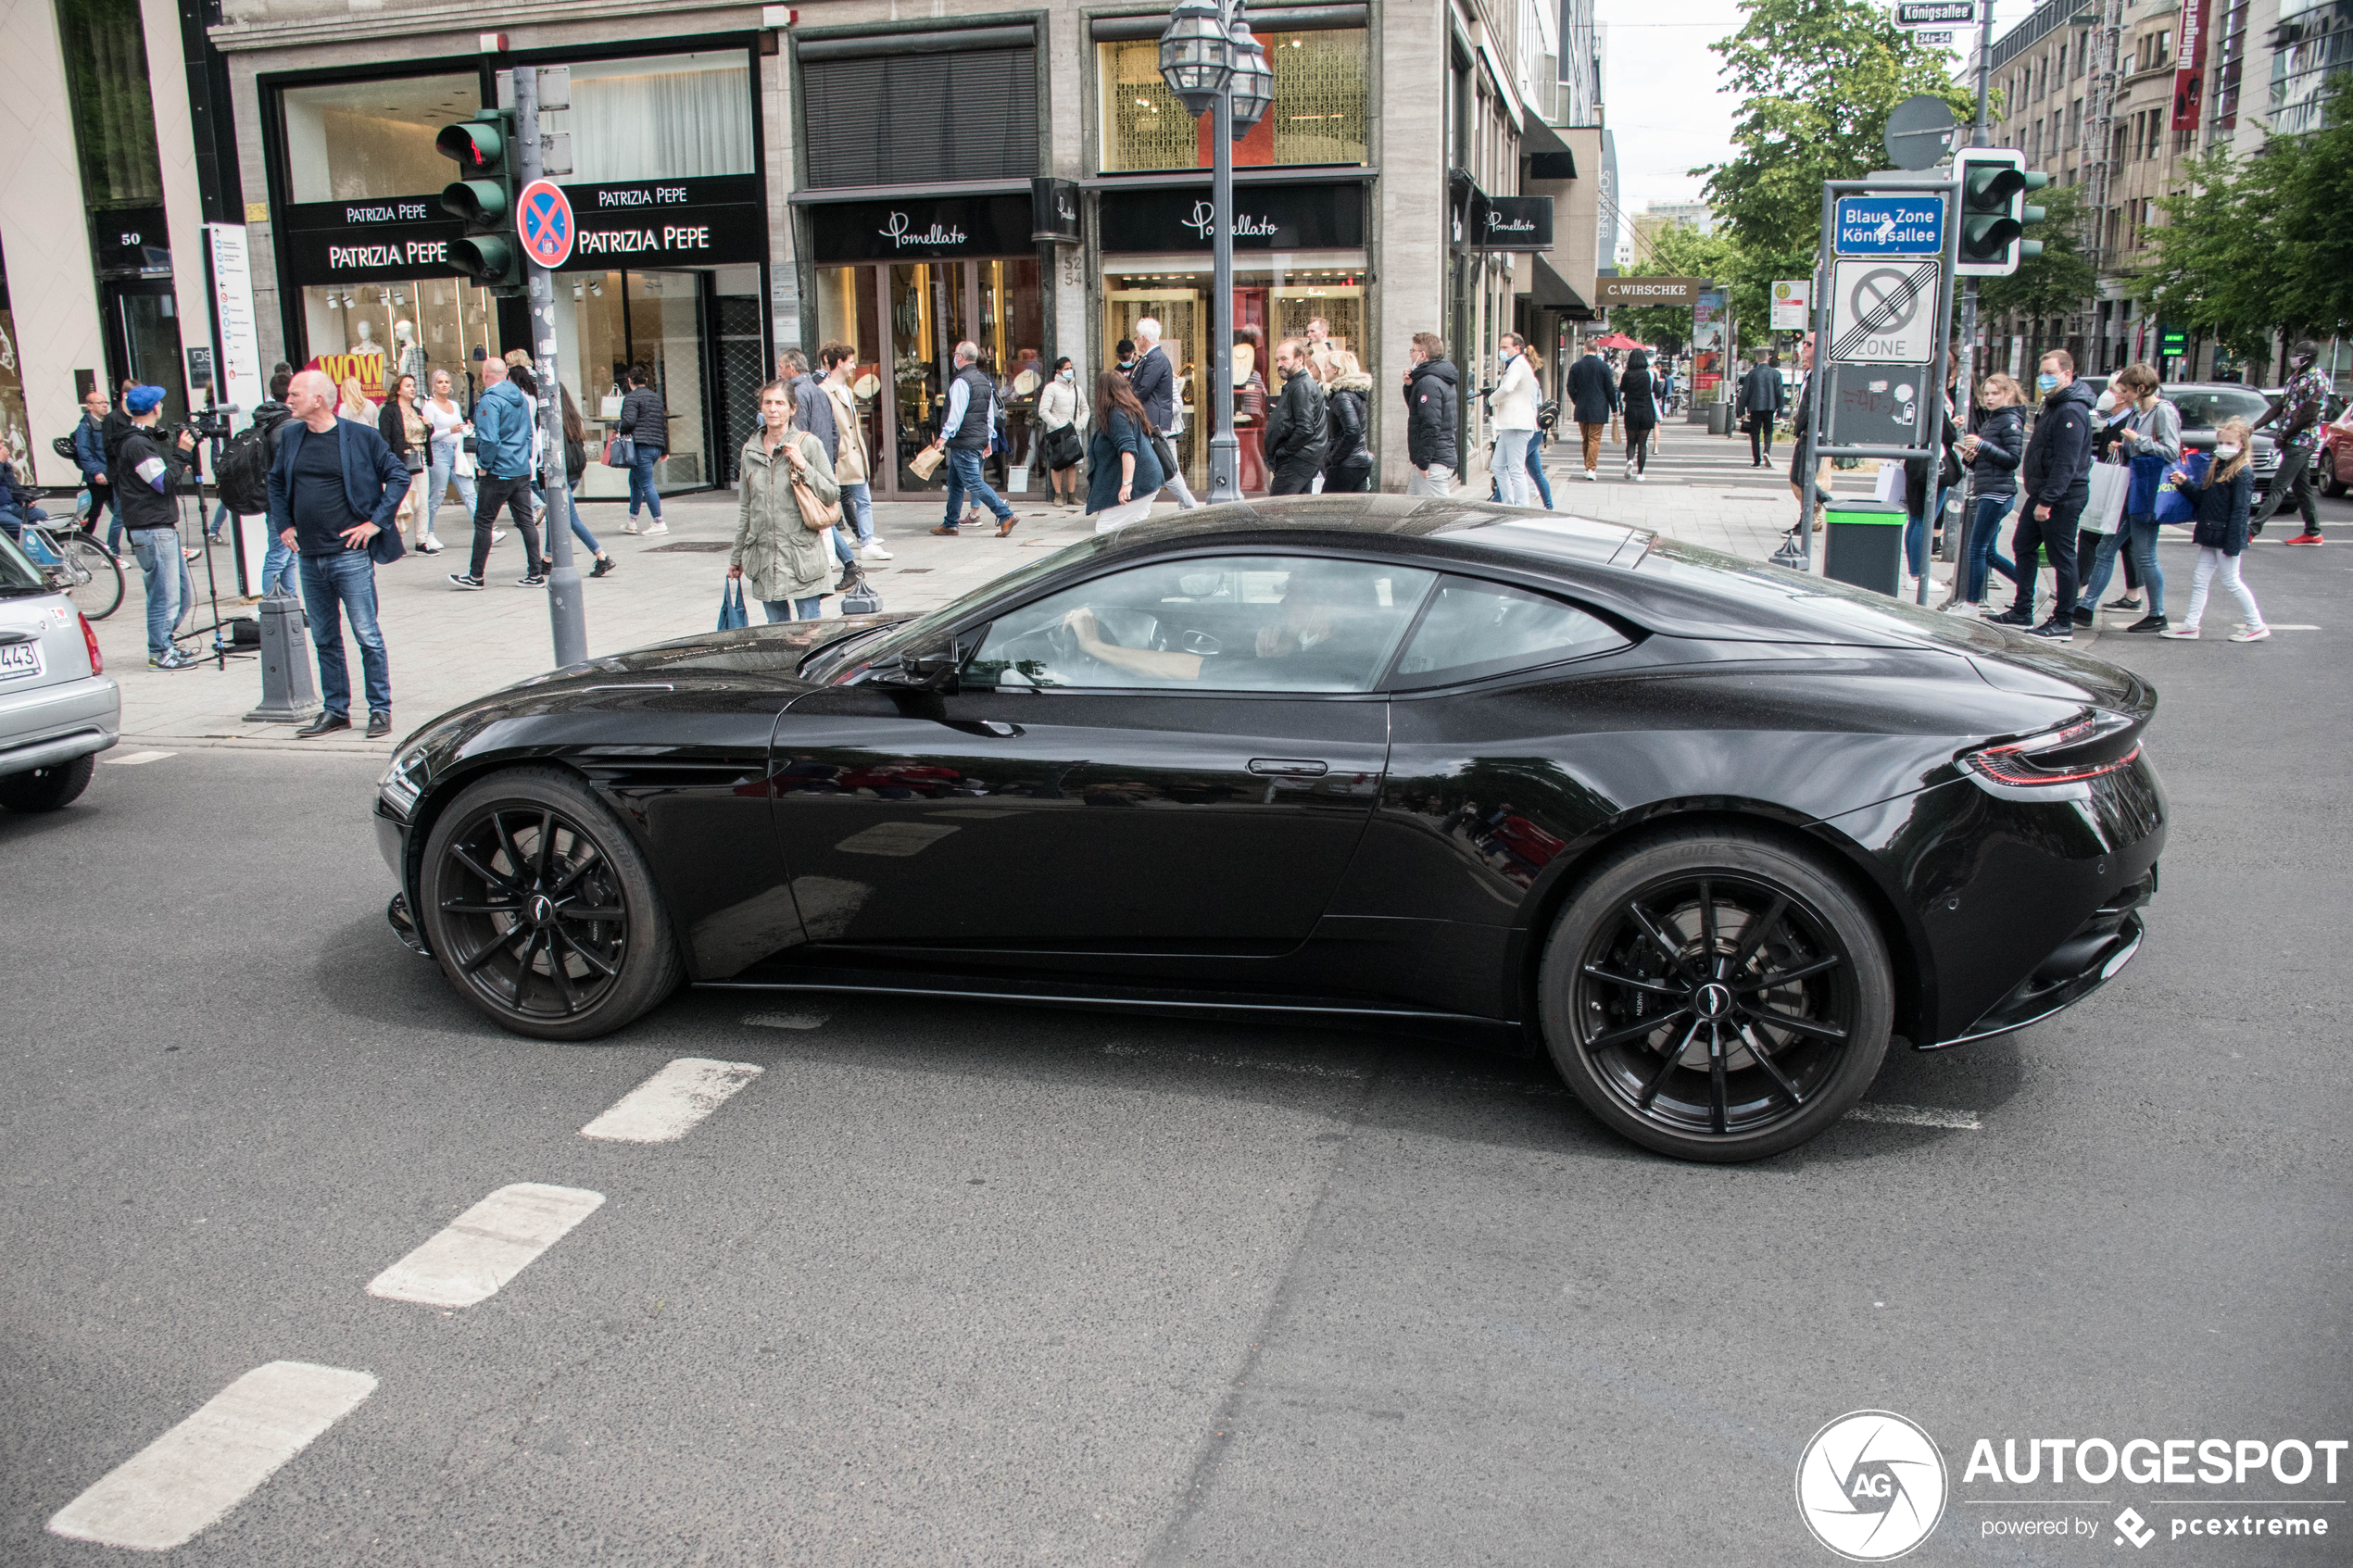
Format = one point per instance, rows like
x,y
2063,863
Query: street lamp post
x,y
1214,66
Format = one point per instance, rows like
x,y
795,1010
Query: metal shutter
x,y
930,119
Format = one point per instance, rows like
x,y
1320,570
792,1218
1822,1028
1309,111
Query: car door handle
x,y
997,729
1289,767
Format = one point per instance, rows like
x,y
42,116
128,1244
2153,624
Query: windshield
x,y
854,655
2205,408
17,575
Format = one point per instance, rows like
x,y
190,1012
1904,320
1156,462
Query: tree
x,y
2056,281
1818,79
1675,253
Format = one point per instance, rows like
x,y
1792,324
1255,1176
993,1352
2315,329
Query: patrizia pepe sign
x,y
1267,217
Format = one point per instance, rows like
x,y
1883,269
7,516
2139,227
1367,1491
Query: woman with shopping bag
x,y
788,504
2147,442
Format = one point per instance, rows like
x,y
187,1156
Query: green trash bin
x,y
1863,543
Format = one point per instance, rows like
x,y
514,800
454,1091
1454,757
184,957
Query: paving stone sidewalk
x,y
447,646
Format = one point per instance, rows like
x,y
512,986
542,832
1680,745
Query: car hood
x,y
754,653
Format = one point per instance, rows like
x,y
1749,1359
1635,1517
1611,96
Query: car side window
x,y
1477,629
1263,623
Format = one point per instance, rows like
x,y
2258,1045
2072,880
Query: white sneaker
x,y
1629,467
1961,608
873,550
630,527
496,535
2250,633
2181,634
1592,475
1636,476
656,526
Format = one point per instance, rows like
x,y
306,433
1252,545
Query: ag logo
x,y
1870,1486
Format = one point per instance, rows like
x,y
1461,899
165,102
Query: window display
x,y
1317,115
351,141
375,332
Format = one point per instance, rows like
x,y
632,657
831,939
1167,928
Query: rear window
x,y
17,575
2205,408
1477,629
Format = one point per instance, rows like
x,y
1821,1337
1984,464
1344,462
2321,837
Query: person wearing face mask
x,y
1512,406
2054,479
2223,496
2146,438
1059,411
1992,448
2298,417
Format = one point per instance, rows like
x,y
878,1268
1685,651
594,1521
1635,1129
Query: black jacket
x,y
2222,510
1344,412
111,430
644,421
2001,441
1431,395
1591,390
1154,381
395,430
141,506
1802,449
1916,489
1637,393
2057,465
1762,392
1295,432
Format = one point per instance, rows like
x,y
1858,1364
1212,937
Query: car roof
x,y
1370,519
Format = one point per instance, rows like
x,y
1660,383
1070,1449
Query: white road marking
x,y
1917,1116
486,1245
785,1020
135,758
2291,626
191,1477
667,1105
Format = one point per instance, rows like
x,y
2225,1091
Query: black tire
x,y
47,789
1688,932
527,865
2332,483
95,581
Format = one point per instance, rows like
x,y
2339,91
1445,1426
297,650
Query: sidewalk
x,y
447,646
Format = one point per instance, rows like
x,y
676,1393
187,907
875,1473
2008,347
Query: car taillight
x,y
90,641
2085,749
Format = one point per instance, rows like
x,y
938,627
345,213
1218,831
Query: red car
x,y
2336,455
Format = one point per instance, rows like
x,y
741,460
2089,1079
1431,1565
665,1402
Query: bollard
x,y
289,690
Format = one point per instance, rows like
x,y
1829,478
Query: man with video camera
x,y
147,465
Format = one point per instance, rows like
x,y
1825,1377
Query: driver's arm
x,y
1140,661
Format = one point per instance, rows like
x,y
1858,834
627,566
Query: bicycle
x,y
90,575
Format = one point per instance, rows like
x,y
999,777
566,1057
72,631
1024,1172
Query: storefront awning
x,y
1551,292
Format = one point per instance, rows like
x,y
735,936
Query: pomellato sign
x,y
947,229
1270,217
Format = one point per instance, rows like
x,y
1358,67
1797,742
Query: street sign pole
x,y
1979,135
566,612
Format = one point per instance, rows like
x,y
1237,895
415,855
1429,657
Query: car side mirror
x,y
930,670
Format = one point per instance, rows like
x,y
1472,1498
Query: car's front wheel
x,y
541,910
1716,996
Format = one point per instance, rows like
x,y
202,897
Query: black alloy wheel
x,y
1718,996
542,910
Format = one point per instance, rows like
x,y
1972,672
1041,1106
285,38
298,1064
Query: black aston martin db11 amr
x,y
1709,832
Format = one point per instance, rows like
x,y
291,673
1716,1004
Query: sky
x,y
1660,91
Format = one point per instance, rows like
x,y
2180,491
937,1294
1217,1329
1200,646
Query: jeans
x,y
439,473
1984,555
963,478
580,529
281,570
1510,466
2290,486
793,610
641,483
515,496
858,509
1436,480
1915,529
2103,561
1536,471
2056,536
159,564
2213,564
346,579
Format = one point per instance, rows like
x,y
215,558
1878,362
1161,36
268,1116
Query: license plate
x,y
19,658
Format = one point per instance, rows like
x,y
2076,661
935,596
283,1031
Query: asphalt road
x,y
999,1285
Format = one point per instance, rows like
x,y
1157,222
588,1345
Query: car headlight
x,y
404,781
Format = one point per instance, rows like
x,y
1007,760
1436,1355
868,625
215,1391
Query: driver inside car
x,y
1305,622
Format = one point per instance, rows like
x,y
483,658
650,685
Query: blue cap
x,y
142,399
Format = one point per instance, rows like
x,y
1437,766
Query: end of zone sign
x,y
543,216
1890,225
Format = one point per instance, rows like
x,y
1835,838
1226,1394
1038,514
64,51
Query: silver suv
x,y
58,709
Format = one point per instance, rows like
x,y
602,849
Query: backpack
x,y
243,473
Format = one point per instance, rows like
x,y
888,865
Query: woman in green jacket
x,y
783,559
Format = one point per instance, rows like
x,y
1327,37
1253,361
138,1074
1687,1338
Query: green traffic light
x,y
491,260
1984,237
1988,187
480,202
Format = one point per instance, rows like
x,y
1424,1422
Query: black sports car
x,y
1709,832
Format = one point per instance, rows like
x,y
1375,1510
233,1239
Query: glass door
x,y
849,309
927,318
664,311
1183,314
146,330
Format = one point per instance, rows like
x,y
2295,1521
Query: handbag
x,y
926,463
815,515
621,452
2175,500
63,447
2105,511
414,460
731,605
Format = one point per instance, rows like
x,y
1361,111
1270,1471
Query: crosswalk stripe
x,y
187,1479
667,1105
135,758
486,1245
1917,1116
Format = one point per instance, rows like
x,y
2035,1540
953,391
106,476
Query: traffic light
x,y
485,197
1994,212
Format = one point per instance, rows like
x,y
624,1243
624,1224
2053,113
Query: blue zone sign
x,y
1890,225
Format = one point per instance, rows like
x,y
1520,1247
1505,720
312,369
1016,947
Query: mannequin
x,y
363,339
408,358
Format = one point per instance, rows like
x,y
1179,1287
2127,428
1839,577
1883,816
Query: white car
x,y
58,709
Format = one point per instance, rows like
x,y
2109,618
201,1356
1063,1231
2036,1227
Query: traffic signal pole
x,y
1979,135
566,613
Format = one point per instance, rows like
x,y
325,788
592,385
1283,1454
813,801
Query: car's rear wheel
x,y
1716,996
47,789
542,910
2333,480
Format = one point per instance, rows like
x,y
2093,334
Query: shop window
x,y
114,127
670,117
371,333
921,119
350,141
1317,115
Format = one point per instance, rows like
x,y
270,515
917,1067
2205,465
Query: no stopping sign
x,y
543,216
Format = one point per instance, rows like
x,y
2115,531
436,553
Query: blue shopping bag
x,y
2176,502
731,605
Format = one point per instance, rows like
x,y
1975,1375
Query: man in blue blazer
x,y
335,487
